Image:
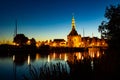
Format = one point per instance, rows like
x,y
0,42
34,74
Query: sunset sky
x,y
51,19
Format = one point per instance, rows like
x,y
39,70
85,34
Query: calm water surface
x,y
13,67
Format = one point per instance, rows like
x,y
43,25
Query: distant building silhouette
x,y
59,42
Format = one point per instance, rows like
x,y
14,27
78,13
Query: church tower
x,y
73,38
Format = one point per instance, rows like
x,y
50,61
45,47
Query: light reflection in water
x,y
78,55
48,58
98,54
54,55
92,64
28,60
95,53
13,57
37,56
65,57
91,54
103,52
38,59
82,58
60,56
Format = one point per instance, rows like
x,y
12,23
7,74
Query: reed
x,y
49,71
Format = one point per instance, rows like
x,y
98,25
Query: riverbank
x,y
33,49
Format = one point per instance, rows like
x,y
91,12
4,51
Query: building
x,y
73,39
58,43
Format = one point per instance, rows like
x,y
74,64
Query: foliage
x,y
33,42
102,29
20,39
110,29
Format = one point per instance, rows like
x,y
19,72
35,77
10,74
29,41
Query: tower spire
x,y
73,22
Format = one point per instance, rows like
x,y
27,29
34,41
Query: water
x,y
13,67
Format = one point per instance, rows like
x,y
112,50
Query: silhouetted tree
x,y
102,29
33,42
20,39
111,28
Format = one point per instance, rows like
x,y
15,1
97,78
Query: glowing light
x,y
15,44
54,55
92,65
98,54
48,58
28,42
65,57
103,43
37,56
38,43
79,56
60,56
54,44
28,59
103,52
82,58
93,55
13,57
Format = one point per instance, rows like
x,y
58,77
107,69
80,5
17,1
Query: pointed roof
x,y
73,31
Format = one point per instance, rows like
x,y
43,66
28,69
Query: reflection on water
x,y
28,59
58,56
21,62
48,58
37,56
91,54
92,65
13,58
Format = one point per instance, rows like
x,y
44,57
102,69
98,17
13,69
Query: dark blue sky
x,y
49,19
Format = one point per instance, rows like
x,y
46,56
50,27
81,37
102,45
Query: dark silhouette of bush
x,y
20,39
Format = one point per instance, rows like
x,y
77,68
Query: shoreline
x,y
12,49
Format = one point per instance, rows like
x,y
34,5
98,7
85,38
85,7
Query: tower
x,y
73,30
73,38
73,23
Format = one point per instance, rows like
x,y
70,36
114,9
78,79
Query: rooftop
x,y
73,33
